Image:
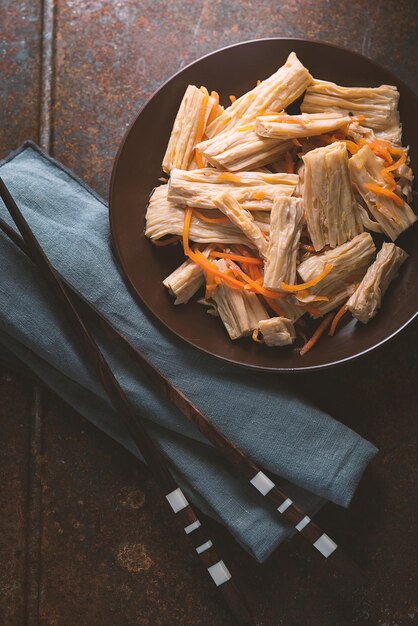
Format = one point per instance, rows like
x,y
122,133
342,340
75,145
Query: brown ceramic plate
x,y
234,70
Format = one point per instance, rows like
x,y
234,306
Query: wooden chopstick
x,y
151,453
248,469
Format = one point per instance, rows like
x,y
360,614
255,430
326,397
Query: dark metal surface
x,y
77,513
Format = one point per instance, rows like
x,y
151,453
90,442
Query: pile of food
x,y
274,211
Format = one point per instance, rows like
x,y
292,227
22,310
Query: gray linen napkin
x,y
316,457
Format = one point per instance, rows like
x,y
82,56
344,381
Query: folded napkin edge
x,y
29,143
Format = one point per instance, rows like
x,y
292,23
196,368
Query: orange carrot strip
x,y
253,283
336,319
310,283
381,148
165,242
376,189
305,293
212,282
229,177
395,165
214,108
352,147
208,266
232,98
198,159
210,220
186,227
317,334
236,257
255,337
253,270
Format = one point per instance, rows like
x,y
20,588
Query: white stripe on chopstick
x,y
191,527
177,500
262,483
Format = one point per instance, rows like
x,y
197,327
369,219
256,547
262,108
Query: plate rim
x,y
116,247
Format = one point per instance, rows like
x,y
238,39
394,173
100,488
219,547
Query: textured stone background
x,y
83,536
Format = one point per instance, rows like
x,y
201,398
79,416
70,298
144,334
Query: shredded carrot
x,y
310,283
165,242
232,98
253,283
389,180
186,228
317,334
253,270
231,178
236,257
255,336
259,195
352,147
208,266
201,127
336,319
289,163
214,109
381,148
212,282
377,190
210,220
395,165
305,293
198,159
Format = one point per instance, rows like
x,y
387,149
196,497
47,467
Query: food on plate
x,y
186,280
286,223
273,94
277,331
327,197
196,109
239,310
366,300
284,126
376,189
242,220
255,191
274,208
377,105
241,148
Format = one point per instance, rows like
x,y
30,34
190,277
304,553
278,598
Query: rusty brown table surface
x,y
83,535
